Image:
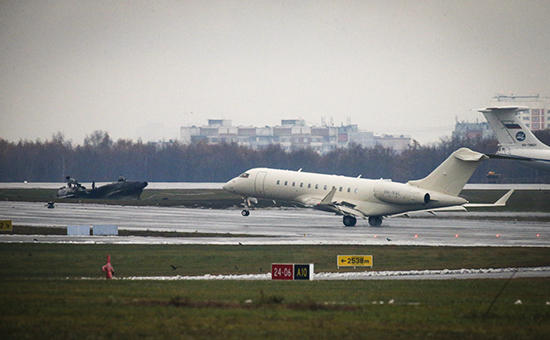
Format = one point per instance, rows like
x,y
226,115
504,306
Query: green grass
x,y
214,309
37,301
207,198
69,260
27,195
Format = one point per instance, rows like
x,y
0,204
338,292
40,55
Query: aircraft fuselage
x,y
365,196
539,158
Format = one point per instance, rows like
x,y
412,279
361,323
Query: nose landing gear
x,y
248,202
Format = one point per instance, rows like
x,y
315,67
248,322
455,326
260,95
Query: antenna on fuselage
x,y
300,170
359,176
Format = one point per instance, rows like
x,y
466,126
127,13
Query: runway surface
x,y
280,226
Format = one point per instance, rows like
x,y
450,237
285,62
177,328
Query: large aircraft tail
x,y
509,130
451,175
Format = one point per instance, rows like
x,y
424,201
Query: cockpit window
x,y
244,175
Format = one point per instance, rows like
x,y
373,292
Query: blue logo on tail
x,y
520,136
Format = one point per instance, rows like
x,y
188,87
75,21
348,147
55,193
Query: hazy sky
x,y
144,68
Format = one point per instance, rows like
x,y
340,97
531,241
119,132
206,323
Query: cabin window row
x,y
316,186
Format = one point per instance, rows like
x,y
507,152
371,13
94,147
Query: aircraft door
x,y
259,183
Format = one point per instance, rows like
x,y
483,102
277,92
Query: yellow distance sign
x,y
354,261
5,225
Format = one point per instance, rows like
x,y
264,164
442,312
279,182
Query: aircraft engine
x,y
401,194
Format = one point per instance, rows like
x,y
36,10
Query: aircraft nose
x,y
228,186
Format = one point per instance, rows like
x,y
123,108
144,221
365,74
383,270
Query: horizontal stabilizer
x,y
503,109
431,211
501,202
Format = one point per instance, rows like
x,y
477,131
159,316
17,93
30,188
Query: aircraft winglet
x,y
328,198
502,201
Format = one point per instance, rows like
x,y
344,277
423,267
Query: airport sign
x,y
282,271
354,261
303,271
291,271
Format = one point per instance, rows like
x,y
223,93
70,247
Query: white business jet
x,y
515,140
355,197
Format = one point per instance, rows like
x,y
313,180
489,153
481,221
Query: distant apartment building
x,y
475,130
536,117
291,135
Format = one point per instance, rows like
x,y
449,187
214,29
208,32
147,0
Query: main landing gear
x,y
375,221
349,221
245,212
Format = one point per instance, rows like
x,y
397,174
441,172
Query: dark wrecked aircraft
x,y
116,190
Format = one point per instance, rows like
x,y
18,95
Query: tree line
x,y
100,158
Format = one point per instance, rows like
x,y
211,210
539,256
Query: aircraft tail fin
x,y
451,175
509,129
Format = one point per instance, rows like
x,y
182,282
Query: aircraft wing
x,y
309,201
66,196
113,193
312,201
346,210
328,203
501,202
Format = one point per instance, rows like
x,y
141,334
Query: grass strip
x,y
272,310
28,260
36,301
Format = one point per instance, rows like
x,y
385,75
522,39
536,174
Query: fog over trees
x,y
100,158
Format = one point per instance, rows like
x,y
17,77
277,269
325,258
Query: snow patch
x,y
442,274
